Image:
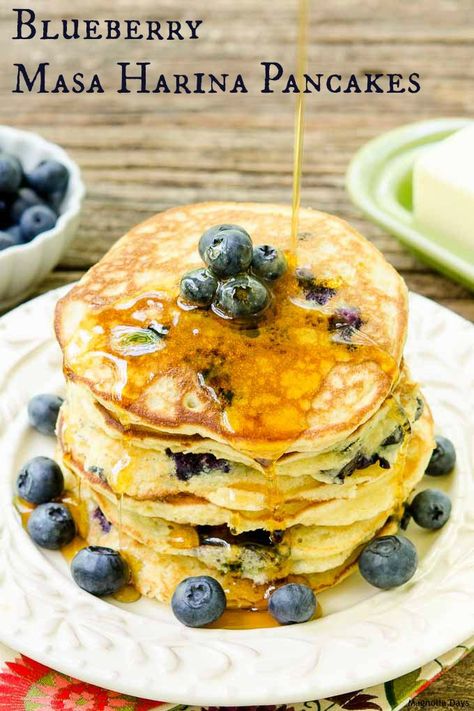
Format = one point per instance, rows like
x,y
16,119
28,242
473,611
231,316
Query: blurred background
x,y
143,153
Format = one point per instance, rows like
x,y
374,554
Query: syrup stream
x,y
302,60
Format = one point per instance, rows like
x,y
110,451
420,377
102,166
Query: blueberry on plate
x,y
241,297
11,173
292,604
99,570
208,236
198,287
198,601
23,200
443,458
36,220
40,480
6,241
431,508
51,526
229,253
49,178
388,561
43,412
268,262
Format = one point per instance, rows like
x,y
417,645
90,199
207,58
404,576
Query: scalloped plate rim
x,y
242,659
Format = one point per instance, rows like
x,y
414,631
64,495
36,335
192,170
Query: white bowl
x,y
23,266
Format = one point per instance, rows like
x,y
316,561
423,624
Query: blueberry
x,y
51,526
313,291
99,516
15,233
43,412
345,319
292,604
99,570
268,262
431,508
5,202
241,297
6,240
443,458
406,516
189,464
420,406
395,437
24,199
209,235
198,601
11,173
229,253
49,179
388,561
40,480
199,287
35,220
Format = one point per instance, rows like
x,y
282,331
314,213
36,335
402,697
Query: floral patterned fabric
x,y
26,685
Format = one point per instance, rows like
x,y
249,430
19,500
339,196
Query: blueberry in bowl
x,y
24,199
50,180
32,208
7,240
11,174
34,173
35,220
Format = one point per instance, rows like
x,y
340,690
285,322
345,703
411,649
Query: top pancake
x,y
289,383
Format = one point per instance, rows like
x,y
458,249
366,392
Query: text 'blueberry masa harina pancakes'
x,y
259,453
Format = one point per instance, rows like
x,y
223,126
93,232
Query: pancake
x,y
322,552
293,384
257,453
369,497
146,465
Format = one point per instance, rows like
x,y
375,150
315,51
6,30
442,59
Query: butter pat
x,y
443,190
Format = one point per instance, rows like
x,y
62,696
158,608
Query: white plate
x,y
364,637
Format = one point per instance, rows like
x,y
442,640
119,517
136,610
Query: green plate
x,y
379,181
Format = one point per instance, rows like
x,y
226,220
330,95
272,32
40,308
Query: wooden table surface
x,y
141,153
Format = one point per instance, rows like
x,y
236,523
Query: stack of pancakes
x,y
257,453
